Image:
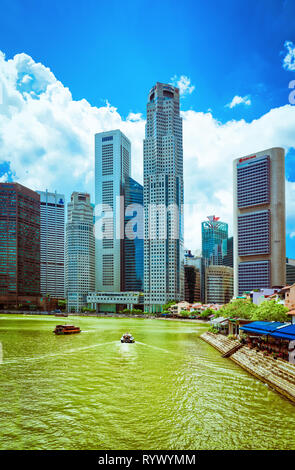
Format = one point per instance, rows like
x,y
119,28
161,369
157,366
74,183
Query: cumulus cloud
x,y
184,84
47,141
239,100
289,59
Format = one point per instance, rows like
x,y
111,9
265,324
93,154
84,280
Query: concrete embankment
x,y
278,374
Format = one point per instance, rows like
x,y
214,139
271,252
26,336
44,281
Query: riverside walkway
x,y
277,373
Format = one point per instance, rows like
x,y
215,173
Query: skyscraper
x,y
163,198
133,247
52,237
80,251
193,269
259,220
213,233
19,245
119,258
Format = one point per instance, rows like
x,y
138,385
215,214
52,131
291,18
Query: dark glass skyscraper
x,y
133,248
19,244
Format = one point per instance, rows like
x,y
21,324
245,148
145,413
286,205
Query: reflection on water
x,y
173,390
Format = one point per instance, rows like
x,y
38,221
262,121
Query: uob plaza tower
x,y
163,198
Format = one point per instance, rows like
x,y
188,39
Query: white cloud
x,y
239,100
49,140
183,83
289,59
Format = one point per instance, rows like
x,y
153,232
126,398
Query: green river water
x,y
169,390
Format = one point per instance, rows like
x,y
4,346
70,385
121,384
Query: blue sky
x,y
115,51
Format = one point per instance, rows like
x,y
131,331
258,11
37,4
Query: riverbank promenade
x,y
277,373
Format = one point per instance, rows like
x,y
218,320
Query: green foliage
x,y
168,305
136,311
185,313
213,330
270,310
126,311
238,308
207,312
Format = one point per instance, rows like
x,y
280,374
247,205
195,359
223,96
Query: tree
x,y
271,310
168,305
238,308
207,312
185,313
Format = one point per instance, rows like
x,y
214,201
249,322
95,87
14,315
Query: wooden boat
x,y
66,330
127,338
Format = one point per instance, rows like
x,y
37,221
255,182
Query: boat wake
x,y
68,351
155,347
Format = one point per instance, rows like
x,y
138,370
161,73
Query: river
x,y
169,390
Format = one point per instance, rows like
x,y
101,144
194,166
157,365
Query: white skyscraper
x,y
112,169
80,251
119,260
163,198
52,241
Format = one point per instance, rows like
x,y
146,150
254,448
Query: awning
x,y
288,332
262,327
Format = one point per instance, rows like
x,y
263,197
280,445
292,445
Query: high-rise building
x,y
219,284
133,246
80,251
259,221
228,252
118,198
193,270
213,233
52,238
290,271
163,198
19,245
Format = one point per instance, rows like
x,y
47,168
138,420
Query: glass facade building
x,y
133,247
213,233
19,244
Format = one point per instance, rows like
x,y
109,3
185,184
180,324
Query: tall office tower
x,y
19,245
133,247
228,252
193,274
52,237
259,221
163,199
213,233
219,284
290,271
80,251
118,199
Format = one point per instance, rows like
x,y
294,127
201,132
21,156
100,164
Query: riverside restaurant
x,y
272,338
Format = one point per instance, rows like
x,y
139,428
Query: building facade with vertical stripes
x,y
118,199
52,240
19,245
80,251
259,221
163,198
